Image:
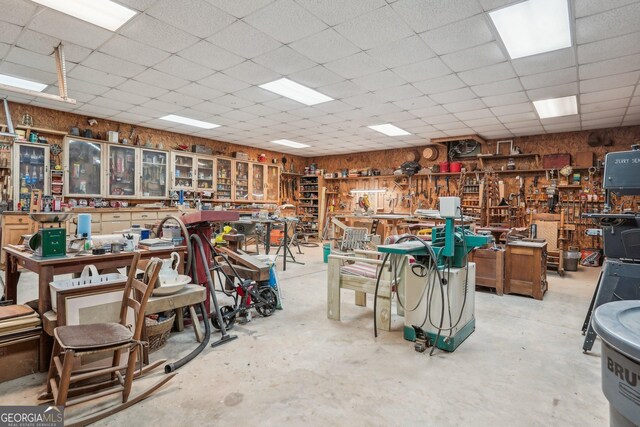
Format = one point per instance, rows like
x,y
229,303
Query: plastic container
x,y
444,167
571,259
326,250
89,277
455,166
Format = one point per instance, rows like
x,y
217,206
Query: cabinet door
x,y
206,173
32,163
273,184
12,235
155,171
257,182
122,171
241,181
183,170
224,187
83,160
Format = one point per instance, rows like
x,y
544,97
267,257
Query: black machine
x,y
620,276
247,295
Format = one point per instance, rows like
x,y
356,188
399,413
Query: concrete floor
x,y
522,366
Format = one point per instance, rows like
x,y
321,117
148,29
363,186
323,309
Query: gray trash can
x,y
571,259
618,325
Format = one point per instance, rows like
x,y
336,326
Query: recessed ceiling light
x,y
190,122
556,107
389,129
288,143
296,91
533,26
22,83
103,13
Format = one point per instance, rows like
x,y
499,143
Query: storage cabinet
x,y
224,184
183,171
526,269
122,175
206,174
241,181
13,227
489,268
258,184
83,161
31,166
273,184
154,167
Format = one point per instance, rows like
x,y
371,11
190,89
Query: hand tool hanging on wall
x,y
447,178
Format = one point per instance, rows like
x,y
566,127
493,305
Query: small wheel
x,y
270,297
229,320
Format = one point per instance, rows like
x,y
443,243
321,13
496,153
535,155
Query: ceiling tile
x,y
316,77
488,74
143,89
606,105
95,76
232,101
133,51
375,28
29,73
398,93
417,102
612,66
518,117
440,84
342,89
425,15
160,79
498,88
334,12
430,112
613,23
17,11
211,56
244,40
240,9
607,95
364,100
196,90
251,73
210,108
30,59
285,21
156,33
600,123
453,96
610,82
180,99
609,48
459,107
464,34
223,83
550,78
506,99
180,67
402,52
475,57
65,27
284,60
128,97
119,105
113,65
506,109
74,84
558,59
475,114
429,69
553,91
356,65
44,44
256,94
180,13
237,115
9,33
380,80
591,7
325,46
603,114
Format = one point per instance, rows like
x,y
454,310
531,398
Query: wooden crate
x,y
489,268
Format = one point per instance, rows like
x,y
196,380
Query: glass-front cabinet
x,y
183,171
206,174
273,184
155,173
83,168
224,170
31,161
241,181
122,174
257,182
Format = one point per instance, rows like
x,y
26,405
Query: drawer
x,y
116,216
164,214
96,227
144,215
114,227
16,219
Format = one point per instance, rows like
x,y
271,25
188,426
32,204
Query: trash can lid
x,y
618,324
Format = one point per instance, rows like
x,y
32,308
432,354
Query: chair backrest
x,y
354,238
137,293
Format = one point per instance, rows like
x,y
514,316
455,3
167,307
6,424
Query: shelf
x,y
370,177
504,156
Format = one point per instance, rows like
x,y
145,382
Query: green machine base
x,y
444,342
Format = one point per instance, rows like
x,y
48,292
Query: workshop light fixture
x,y
389,130
556,107
289,143
21,83
103,13
533,26
189,122
296,91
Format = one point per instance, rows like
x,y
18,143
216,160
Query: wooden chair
x,y
359,273
75,341
551,227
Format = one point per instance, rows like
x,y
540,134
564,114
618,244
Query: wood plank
x,y
333,288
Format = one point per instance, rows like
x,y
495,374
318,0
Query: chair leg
x,y
65,377
52,365
383,315
115,361
131,368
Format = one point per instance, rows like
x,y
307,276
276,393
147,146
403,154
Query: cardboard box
x,y
19,356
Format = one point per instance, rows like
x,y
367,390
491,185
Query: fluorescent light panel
x,y
188,121
556,107
22,83
291,144
296,91
103,13
389,130
533,26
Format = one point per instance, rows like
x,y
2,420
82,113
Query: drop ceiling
x,y
432,68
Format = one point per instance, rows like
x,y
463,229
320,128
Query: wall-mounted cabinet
x,y
154,165
183,173
205,174
123,170
84,175
224,180
241,181
31,166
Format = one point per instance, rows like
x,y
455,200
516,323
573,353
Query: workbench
x,y
390,222
48,268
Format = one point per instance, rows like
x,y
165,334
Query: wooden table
x,y
48,268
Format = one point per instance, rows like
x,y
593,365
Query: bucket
x,y
326,250
571,259
444,167
455,166
590,257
